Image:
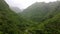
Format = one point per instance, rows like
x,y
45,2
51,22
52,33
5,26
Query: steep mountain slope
x,y
38,11
46,17
49,26
8,20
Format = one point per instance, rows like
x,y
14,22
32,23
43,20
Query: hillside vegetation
x,y
45,17
39,18
9,20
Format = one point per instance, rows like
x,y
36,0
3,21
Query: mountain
x,y
49,26
39,10
36,11
39,18
16,9
45,18
9,20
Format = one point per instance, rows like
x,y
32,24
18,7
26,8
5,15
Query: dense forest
x,y
39,18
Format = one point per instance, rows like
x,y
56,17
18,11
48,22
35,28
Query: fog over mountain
x,y
23,4
20,5
16,9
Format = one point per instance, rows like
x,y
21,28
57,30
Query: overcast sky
x,y
22,4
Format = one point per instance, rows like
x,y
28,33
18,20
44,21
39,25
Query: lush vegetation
x,y
9,20
39,18
45,17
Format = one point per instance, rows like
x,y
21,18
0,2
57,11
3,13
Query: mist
x,y
23,4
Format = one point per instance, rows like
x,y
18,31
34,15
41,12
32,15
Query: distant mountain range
x,y
16,9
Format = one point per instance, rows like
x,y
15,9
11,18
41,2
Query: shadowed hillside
x,y
9,20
